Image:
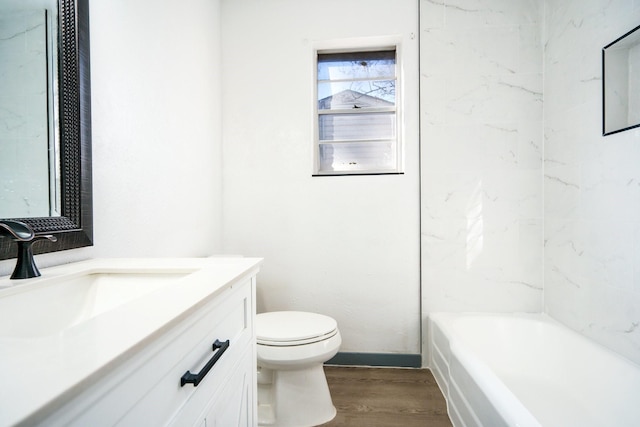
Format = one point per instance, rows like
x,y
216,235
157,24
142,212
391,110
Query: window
x,y
356,128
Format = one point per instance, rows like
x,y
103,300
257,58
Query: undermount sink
x,y
48,306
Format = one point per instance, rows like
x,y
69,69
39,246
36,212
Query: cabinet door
x,y
233,405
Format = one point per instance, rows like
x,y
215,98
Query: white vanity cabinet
x,y
145,387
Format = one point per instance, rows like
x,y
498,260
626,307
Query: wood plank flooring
x,y
385,397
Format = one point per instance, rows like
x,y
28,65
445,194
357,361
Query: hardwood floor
x,y
385,397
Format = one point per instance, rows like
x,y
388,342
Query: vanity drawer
x,y
231,405
229,321
146,390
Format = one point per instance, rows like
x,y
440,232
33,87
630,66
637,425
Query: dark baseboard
x,y
377,359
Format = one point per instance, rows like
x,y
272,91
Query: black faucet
x,y
25,236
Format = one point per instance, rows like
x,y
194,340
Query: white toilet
x,y
292,388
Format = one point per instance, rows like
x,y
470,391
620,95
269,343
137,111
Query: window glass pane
x,y
357,112
342,127
357,156
358,94
356,65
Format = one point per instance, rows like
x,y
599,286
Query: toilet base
x,y
294,398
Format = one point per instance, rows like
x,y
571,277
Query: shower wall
x,y
591,182
481,153
525,205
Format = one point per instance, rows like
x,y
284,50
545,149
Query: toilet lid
x,y
293,327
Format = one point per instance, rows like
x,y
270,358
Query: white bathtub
x,y
529,370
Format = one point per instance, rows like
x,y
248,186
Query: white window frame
x,y
372,45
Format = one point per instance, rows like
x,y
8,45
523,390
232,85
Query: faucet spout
x,y
24,235
16,229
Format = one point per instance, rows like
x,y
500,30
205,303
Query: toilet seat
x,y
293,328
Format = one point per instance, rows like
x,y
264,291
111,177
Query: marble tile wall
x,y
517,193
591,182
481,152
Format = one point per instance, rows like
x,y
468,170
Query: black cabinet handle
x,y
189,378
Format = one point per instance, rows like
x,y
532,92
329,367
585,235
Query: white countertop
x,y
40,373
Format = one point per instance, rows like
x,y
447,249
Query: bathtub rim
x,y
504,401
542,317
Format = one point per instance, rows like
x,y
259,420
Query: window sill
x,y
357,174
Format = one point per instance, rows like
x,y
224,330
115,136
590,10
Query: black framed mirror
x,y
621,83
74,227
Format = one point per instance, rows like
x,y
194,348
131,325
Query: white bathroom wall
x,y
592,183
347,247
157,173
481,150
156,127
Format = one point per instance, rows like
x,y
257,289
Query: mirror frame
x,y
604,88
74,228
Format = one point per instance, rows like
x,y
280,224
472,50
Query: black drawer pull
x,y
189,378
